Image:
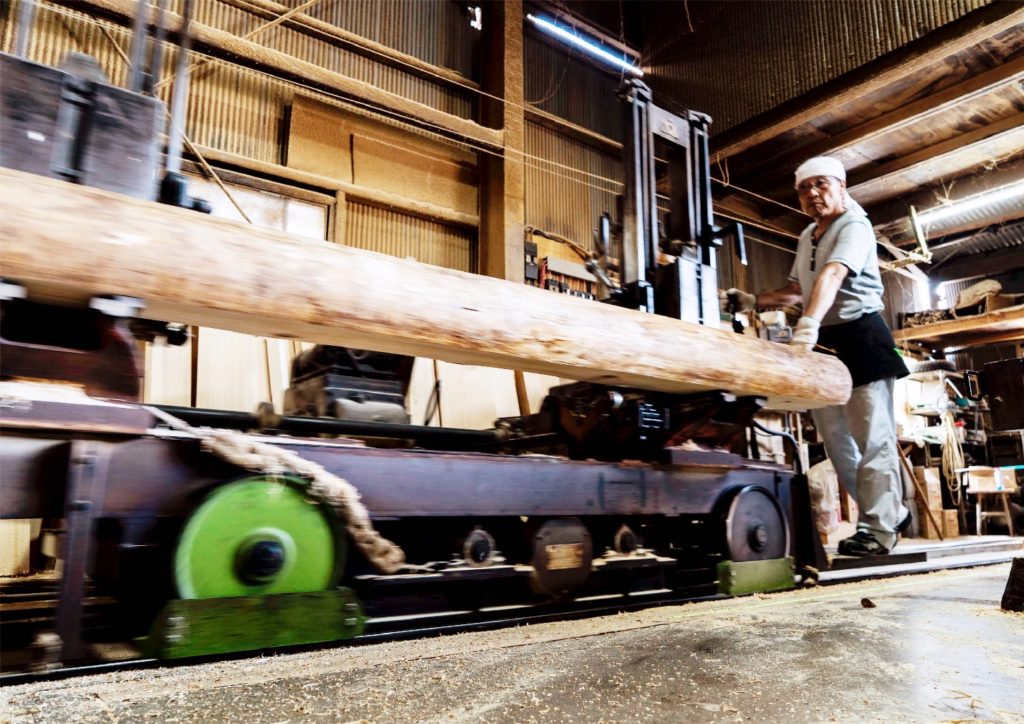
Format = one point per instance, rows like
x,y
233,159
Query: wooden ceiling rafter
x,y
938,45
899,118
1010,129
908,126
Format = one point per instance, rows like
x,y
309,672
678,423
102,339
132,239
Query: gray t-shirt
x,y
850,240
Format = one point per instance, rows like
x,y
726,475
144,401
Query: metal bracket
x,y
115,305
88,463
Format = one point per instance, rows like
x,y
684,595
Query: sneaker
x,y
862,544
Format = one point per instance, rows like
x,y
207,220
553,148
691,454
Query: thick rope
x,y
246,452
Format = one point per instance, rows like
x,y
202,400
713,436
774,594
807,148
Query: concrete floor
x,y
934,647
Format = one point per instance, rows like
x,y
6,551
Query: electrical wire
x,y
428,129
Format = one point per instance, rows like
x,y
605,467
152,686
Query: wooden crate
x,y
927,530
950,524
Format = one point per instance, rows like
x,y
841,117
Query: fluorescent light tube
x,y
972,202
591,48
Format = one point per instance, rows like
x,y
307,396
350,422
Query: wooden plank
x,y
983,340
372,49
68,243
864,182
354,192
1000,321
749,212
894,120
15,542
876,75
414,171
319,139
290,67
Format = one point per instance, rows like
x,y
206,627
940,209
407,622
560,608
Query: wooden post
x,y
502,178
339,218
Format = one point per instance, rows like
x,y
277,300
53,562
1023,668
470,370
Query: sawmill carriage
x,y
204,531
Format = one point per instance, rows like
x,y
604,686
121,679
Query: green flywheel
x,y
258,536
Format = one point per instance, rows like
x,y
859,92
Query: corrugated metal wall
x,y
556,80
241,111
389,232
765,53
436,31
569,184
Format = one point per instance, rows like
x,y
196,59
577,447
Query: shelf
x,y
1001,325
930,375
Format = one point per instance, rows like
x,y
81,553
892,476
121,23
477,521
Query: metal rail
x,y
575,610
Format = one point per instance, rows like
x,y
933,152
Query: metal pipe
x,y
138,48
439,437
26,20
156,58
176,132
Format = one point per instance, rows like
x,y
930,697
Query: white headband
x,y
820,166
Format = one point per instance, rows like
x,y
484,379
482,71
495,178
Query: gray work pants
x,y
860,439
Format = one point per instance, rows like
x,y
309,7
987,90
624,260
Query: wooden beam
x,y
750,212
353,192
937,45
890,217
941,162
377,51
969,266
897,119
864,181
1000,321
983,340
579,133
68,243
503,178
225,44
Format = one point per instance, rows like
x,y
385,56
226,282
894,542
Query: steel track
x,y
465,623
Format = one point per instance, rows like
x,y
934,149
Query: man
x,y
837,278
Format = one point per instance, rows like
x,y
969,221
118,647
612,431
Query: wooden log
x,y
67,243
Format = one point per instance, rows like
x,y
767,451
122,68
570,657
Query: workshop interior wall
x,y
247,113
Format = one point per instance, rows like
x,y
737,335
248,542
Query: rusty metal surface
x,y
161,477
569,184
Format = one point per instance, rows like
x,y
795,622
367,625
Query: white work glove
x,y
805,333
747,301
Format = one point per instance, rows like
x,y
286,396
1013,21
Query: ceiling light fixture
x,y
570,36
970,203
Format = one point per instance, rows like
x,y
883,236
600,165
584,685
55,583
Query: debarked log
x,y
67,243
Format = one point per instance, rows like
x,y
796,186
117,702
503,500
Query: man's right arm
x,y
787,296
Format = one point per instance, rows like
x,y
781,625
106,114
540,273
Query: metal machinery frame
x,y
687,287
616,502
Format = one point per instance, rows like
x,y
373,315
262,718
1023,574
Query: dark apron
x,y
866,347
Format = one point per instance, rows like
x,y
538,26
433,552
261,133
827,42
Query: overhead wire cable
x,y
425,128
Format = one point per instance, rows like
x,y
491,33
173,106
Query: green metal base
x,y
198,627
737,579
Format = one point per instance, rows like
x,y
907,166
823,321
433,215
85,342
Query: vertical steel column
x,y
26,20
637,169
176,133
138,49
87,481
